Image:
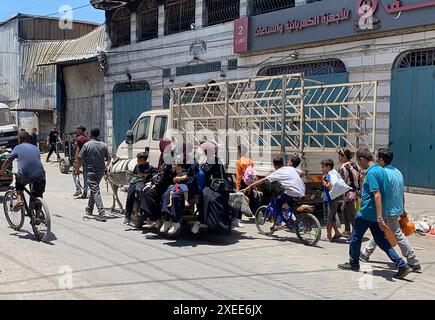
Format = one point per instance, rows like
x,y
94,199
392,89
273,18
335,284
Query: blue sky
x,y
9,8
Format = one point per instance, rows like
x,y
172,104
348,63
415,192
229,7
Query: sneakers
x,y
416,267
101,216
88,211
84,195
127,221
195,227
403,272
174,228
236,223
152,224
165,227
348,266
363,258
277,227
78,192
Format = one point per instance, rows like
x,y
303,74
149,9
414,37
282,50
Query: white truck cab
x,y
8,129
148,130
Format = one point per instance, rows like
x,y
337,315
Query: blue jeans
x,y
360,227
280,201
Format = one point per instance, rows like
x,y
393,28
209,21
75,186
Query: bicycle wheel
x,y
263,223
41,223
308,229
15,219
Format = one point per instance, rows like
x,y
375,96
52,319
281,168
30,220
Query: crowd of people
x,y
372,196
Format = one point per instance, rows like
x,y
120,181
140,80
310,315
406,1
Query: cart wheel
x,y
64,166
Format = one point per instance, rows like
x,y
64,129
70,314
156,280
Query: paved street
x,y
95,260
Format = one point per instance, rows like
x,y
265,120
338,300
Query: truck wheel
x,y
64,166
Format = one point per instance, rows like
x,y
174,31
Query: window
x,y
5,117
219,11
147,20
309,69
232,64
179,16
159,127
141,129
420,58
198,68
264,6
121,27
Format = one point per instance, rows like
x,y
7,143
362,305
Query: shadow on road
x,y
188,239
26,235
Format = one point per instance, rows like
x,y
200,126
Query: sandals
x,y
17,207
336,237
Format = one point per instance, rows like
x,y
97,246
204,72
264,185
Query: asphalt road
x,y
87,259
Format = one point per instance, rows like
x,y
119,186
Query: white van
x,y
148,130
8,129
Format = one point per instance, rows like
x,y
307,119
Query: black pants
x,y
134,190
53,149
38,187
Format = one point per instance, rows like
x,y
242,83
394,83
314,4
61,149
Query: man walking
x,y
395,208
53,139
370,216
34,137
81,139
95,156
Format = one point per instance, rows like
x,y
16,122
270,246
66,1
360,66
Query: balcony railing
x,y
219,11
264,6
179,16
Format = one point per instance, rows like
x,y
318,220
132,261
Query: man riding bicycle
x,y
291,182
30,168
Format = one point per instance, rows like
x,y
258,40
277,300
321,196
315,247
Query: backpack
x,y
250,175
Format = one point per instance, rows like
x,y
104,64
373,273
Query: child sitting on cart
x,y
142,173
179,184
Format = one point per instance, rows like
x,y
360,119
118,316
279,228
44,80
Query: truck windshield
x,y
5,117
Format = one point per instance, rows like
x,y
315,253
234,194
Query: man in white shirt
x,y
291,182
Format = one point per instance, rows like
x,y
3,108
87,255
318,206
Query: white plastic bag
x,y
339,187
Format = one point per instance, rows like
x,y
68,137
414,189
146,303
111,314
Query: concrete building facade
x,y
207,53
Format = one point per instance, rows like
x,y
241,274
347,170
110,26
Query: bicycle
x,y
36,210
306,225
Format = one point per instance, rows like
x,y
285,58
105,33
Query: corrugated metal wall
x,y
48,29
84,86
38,81
38,84
9,64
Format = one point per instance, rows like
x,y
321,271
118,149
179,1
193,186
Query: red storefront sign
x,y
241,35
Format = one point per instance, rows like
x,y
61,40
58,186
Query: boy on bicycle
x,y
30,168
291,182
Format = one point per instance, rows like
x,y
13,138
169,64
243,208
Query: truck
x,y
271,116
8,129
8,140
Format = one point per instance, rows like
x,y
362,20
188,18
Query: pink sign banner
x,y
241,35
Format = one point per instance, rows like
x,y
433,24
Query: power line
x,y
29,8
55,13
